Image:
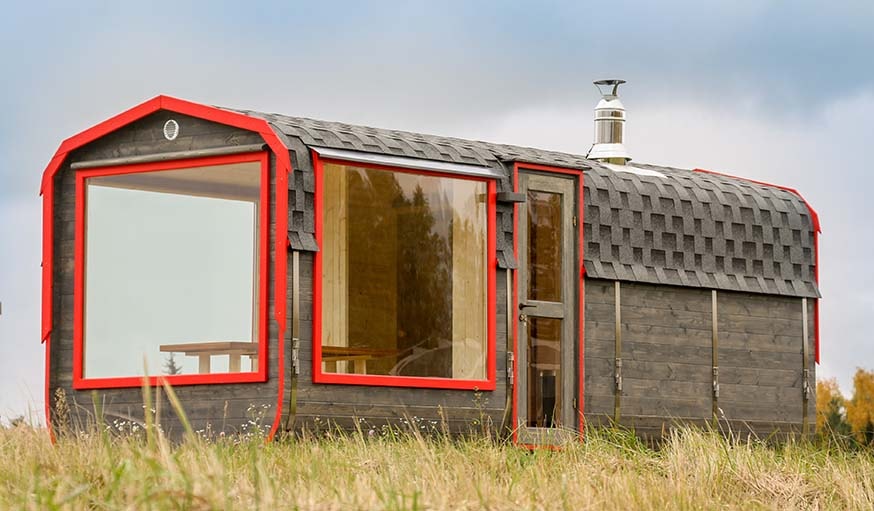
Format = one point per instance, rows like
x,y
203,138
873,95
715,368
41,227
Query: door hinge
x,y
617,374
575,220
295,356
805,384
575,404
715,382
510,366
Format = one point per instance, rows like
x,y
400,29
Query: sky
x,y
776,91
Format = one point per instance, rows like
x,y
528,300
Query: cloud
x,y
764,90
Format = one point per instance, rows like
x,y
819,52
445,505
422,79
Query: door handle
x,y
523,318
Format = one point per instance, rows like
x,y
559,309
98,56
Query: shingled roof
x,y
650,224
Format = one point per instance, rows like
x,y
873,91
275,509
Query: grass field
x,y
611,470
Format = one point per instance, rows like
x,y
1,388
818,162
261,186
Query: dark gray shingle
x,y
686,229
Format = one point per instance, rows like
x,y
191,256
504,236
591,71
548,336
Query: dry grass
x,y
612,470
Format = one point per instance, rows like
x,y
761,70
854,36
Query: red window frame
x,y
82,383
403,381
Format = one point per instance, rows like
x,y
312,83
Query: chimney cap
x,y
609,87
609,125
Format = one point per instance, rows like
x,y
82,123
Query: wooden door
x,y
547,290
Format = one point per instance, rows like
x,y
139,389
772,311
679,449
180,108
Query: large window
x,y
405,278
170,272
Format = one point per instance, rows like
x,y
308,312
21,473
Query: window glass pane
x,y
544,372
544,245
170,272
404,274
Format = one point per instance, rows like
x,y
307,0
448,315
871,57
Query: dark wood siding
x,y
214,406
760,357
666,355
667,358
146,137
599,350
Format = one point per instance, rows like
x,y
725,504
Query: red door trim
x,y
581,297
817,230
210,113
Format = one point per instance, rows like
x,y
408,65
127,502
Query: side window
x,y
404,274
170,273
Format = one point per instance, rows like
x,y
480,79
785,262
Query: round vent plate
x,y
171,130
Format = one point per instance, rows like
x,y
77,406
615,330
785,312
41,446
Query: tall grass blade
x,y
177,407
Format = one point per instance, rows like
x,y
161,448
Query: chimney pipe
x,y
609,125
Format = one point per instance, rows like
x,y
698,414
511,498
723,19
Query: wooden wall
x,y
667,358
228,407
760,359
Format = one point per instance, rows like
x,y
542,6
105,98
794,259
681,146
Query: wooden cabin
x,y
300,273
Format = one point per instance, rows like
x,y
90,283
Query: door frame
x,y
581,369
562,307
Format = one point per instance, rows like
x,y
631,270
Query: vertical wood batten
x,y
617,364
715,354
295,340
506,422
805,367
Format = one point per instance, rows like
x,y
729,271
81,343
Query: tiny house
x,y
318,273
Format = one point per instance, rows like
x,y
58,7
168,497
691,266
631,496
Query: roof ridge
x,y
466,142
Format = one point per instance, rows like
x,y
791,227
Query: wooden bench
x,y
357,356
204,350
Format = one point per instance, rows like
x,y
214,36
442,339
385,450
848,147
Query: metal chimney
x,y
609,125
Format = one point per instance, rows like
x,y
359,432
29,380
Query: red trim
x,y
400,381
47,275
78,280
80,382
580,299
817,230
48,192
491,248
242,121
318,169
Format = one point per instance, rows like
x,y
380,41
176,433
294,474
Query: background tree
x,y
170,365
860,409
830,409
424,284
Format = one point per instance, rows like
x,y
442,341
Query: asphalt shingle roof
x,y
663,226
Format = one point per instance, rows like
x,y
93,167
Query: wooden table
x,y
358,356
204,350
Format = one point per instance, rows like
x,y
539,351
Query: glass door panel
x,y
544,245
544,372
